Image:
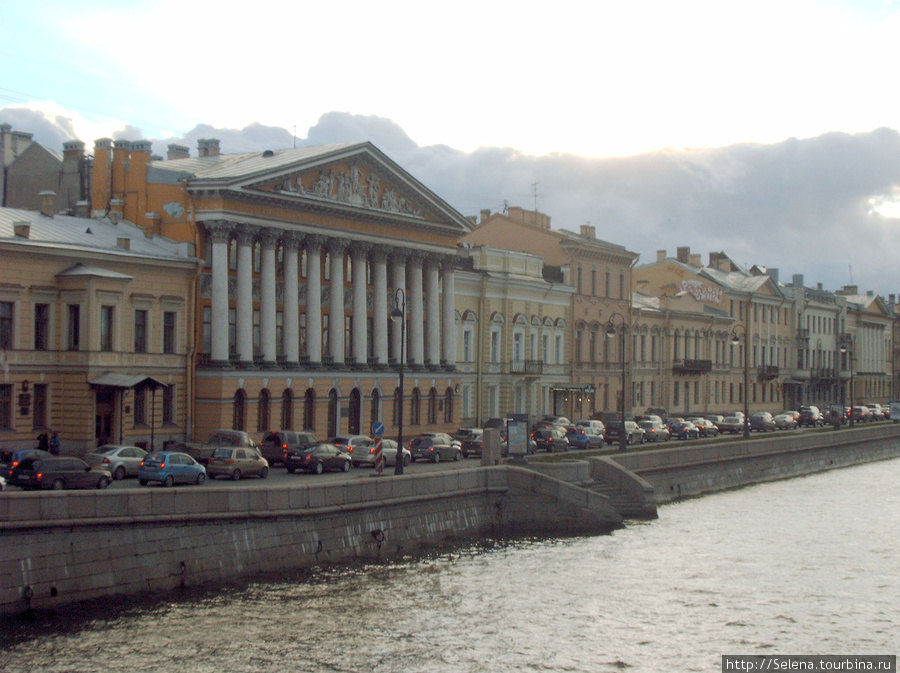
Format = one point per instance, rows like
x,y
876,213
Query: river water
x,y
804,566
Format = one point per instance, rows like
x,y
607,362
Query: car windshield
x,y
222,453
224,439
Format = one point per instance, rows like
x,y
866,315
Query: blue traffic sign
x,y
378,428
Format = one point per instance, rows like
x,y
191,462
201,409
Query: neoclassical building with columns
x,y
307,252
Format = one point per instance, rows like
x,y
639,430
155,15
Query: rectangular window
x,y
169,331
74,336
41,327
495,346
107,314
140,331
6,324
6,416
39,417
467,346
168,410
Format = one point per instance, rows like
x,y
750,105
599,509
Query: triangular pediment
x,y
356,178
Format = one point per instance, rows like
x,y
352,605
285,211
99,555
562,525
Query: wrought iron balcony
x,y
527,367
768,372
691,366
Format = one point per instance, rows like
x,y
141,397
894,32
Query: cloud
x,y
801,205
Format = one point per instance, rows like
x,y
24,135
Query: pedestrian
x,y
43,442
54,443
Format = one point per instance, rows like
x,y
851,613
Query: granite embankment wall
x,y
679,471
61,547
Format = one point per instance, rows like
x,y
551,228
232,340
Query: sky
x,y
718,125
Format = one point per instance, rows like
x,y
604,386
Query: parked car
x,y
170,468
592,422
473,443
785,422
731,424
684,430
444,437
388,452
434,448
810,416
550,438
715,419
465,433
58,473
219,438
585,437
276,443
706,427
861,414
876,411
655,431
118,459
545,421
2,483
762,421
323,457
634,434
350,443
237,463
11,458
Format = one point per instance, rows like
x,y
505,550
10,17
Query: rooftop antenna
x,y
295,136
505,207
534,189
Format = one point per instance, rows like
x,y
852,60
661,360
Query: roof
x,y
87,234
115,380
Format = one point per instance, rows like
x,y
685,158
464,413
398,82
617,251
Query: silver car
x,y
120,460
388,450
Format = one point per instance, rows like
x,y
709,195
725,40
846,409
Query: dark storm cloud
x,y
802,206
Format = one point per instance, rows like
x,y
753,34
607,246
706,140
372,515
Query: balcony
x,y
767,372
823,374
527,367
691,366
802,338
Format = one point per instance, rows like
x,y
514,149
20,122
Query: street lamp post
x,y
847,348
399,315
735,340
612,331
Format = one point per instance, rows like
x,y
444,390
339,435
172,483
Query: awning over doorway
x,y
114,380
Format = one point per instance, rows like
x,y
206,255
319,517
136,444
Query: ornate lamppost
x,y
398,315
736,340
611,331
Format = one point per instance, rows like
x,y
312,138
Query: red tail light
x,y
284,447
105,461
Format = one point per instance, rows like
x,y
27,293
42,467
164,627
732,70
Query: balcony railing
x,y
823,374
527,367
691,366
768,372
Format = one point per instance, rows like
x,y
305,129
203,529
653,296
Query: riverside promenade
x,y
61,547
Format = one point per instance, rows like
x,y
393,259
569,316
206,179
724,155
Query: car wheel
x,y
437,457
103,483
291,469
59,485
142,482
264,472
236,475
346,466
201,478
465,454
170,481
319,468
457,455
119,473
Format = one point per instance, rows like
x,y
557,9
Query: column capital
x,y
268,237
290,240
380,253
246,234
399,255
358,250
218,230
314,242
337,245
416,256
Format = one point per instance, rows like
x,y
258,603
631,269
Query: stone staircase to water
x,y
627,506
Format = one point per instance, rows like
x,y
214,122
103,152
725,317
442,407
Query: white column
x,y
245,236
398,282
380,304
449,314
336,249
268,241
220,233
432,312
359,336
415,310
313,245
291,306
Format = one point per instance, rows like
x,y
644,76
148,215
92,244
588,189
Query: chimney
x,y
178,152
588,231
797,280
208,147
892,299
773,274
22,229
683,254
696,260
48,203
485,213
818,286
124,243
82,209
661,256
102,177
714,260
119,168
116,208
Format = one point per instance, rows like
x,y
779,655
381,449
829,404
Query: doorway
x,y
104,414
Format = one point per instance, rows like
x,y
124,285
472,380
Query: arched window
x,y
262,415
355,419
309,410
432,406
414,408
287,409
239,410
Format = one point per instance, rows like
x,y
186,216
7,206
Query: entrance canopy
x,y
114,380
